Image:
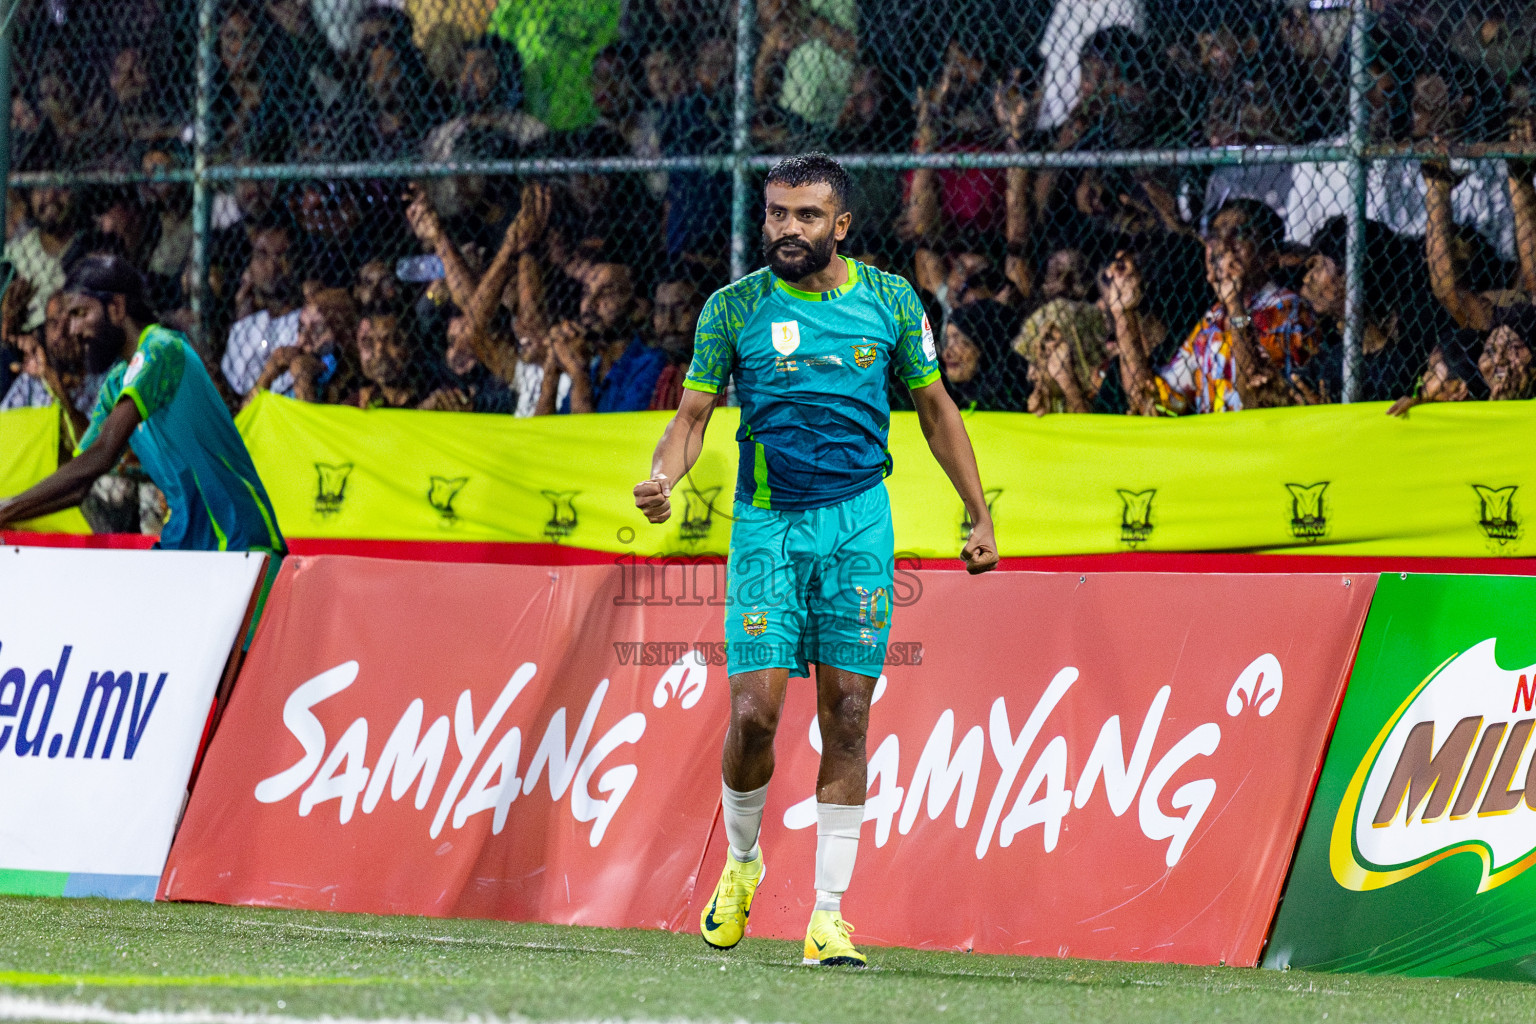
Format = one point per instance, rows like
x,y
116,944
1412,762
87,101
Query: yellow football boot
x,y
826,942
724,922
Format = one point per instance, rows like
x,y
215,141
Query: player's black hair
x,y
814,169
102,276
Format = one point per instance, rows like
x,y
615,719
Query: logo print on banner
x,y
1442,778
1309,511
1136,516
966,525
336,769
786,336
562,515
698,514
944,771
330,487
1496,513
442,494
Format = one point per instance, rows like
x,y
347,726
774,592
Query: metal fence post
x,y
202,197
7,11
1359,127
741,138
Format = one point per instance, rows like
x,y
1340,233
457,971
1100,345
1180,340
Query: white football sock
x,y
837,846
743,820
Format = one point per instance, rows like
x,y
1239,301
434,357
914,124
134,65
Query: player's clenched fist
x,y
651,497
980,551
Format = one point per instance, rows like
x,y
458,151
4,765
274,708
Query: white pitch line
x,y
16,1009
447,939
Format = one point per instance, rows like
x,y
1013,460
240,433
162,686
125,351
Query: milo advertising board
x,y
1417,853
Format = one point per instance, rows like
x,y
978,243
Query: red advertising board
x,y
459,740
1113,766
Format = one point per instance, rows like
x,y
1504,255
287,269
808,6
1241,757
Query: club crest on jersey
x,y
929,348
864,355
755,625
786,336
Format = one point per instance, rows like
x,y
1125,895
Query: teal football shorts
x,y
811,586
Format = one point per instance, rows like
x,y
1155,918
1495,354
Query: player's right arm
x,y
675,454
68,486
714,350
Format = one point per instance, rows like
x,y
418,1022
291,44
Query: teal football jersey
x,y
811,374
190,449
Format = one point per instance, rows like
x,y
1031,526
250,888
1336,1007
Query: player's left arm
x,y
71,482
916,361
951,446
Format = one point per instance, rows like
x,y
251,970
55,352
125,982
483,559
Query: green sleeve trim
x,y
273,535
132,392
217,530
923,381
699,385
67,425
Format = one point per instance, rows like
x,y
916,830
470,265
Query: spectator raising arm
x,y
1120,288
532,316
429,230
1522,199
920,220
478,298
567,355
499,354
1467,307
521,236
1228,272
1014,110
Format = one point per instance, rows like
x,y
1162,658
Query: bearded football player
x,y
810,340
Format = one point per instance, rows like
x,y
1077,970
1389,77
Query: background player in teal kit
x,y
810,340
159,399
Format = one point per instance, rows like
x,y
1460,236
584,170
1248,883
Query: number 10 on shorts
x,y
874,608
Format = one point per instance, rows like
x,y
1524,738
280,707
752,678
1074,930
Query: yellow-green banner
x,y
1449,480
29,451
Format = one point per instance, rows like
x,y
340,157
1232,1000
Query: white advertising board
x,y
109,662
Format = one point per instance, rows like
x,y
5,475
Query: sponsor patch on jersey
x,y
930,350
864,356
135,367
786,336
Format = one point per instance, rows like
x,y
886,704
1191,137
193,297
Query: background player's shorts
x,y
811,586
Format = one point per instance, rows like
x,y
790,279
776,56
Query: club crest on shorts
x,y
755,625
864,356
786,336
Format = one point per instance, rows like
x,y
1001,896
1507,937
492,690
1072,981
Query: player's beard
x,y
104,348
793,259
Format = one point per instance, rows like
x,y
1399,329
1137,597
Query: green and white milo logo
x,y
1450,773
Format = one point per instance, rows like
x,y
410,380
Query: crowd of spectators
x,y
1148,290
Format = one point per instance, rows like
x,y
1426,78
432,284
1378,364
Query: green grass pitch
x,y
124,963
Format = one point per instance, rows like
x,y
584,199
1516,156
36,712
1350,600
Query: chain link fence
x,y
519,206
